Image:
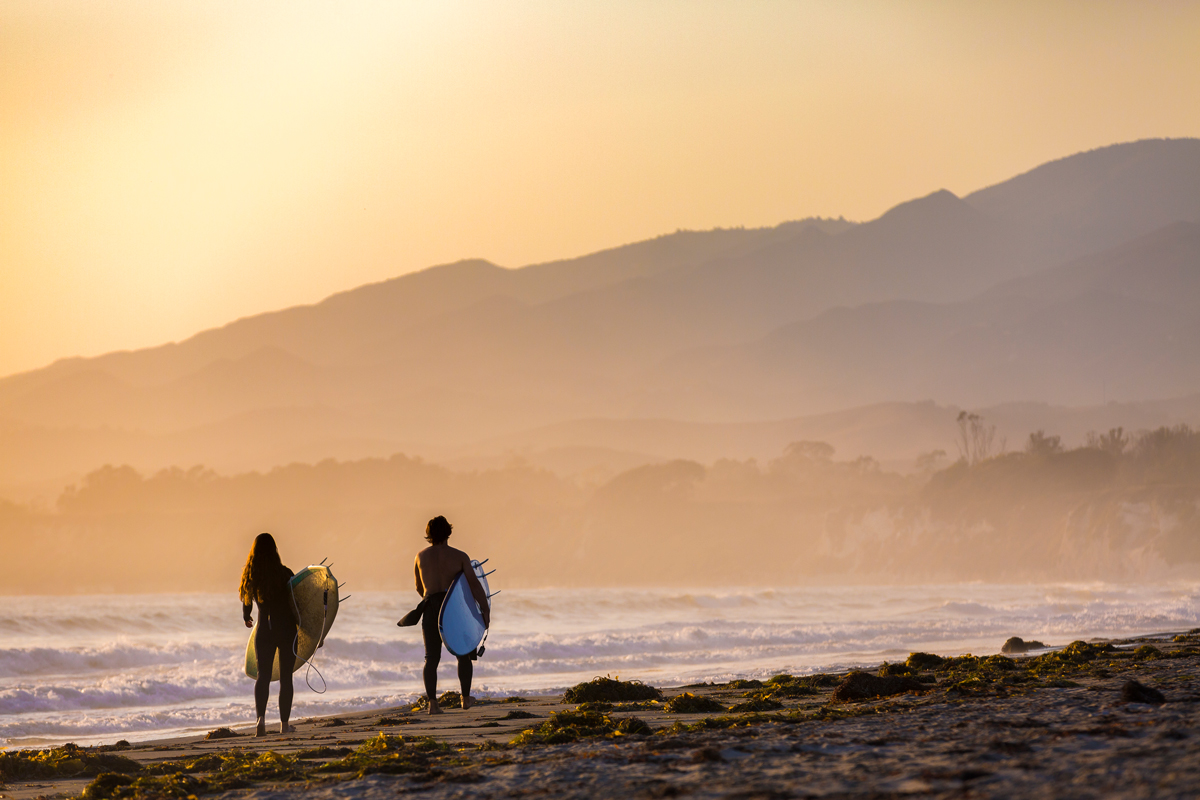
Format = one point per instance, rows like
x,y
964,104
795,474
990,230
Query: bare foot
x,y
434,708
261,730
285,728
467,701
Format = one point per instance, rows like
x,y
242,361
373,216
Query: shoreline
x,y
1024,730
170,736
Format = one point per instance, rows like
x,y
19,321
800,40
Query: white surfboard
x,y
460,620
316,592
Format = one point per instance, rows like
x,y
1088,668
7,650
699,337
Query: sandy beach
x,y
1061,725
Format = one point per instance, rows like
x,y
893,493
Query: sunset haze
x,y
169,168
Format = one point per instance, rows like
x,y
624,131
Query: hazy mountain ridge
x,y
1124,323
1007,294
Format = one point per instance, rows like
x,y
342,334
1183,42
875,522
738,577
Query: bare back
x,y
436,567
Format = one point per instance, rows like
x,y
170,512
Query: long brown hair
x,y
264,575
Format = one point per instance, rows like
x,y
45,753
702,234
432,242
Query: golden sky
x,y
170,166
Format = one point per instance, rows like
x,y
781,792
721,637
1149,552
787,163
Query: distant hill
x,y
1073,284
1121,324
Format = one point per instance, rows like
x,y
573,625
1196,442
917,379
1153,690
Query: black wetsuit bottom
x,y
268,640
433,649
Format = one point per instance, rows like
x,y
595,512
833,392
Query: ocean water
x,y
95,669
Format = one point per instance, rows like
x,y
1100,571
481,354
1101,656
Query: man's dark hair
x,y
438,530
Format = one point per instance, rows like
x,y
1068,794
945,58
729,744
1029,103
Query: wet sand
x,y
1069,741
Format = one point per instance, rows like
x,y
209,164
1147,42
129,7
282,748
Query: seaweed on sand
x,y
862,686
756,702
519,714
570,726
233,769
610,690
450,699
68,761
1147,652
394,755
903,670
688,703
791,686
595,705
1076,658
920,661
720,723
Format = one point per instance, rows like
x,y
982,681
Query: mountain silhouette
x,y
1075,284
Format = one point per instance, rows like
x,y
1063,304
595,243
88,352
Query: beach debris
x,y
1016,644
919,661
756,703
450,699
569,726
68,761
595,705
519,714
324,751
610,690
105,785
1134,692
232,769
336,722
750,684
792,686
390,755
1146,652
221,733
886,669
688,703
862,686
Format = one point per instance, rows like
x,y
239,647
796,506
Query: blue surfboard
x,y
460,619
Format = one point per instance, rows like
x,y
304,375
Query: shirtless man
x,y
436,568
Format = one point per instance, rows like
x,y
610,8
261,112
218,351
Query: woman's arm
x,y
246,609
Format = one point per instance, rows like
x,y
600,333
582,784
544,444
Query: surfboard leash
x,y
311,667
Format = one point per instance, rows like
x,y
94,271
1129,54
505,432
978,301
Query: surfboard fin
x,y
488,573
493,594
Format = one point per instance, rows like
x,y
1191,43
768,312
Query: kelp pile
x,y
569,726
970,675
792,686
688,703
236,768
450,699
233,769
610,690
393,755
68,761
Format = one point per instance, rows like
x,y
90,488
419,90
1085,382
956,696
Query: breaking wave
x,y
97,669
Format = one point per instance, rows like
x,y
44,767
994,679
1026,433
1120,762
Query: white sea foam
x,y
101,668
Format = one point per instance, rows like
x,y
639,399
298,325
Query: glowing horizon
x,y
169,169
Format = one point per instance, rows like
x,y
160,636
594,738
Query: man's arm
x,y
417,572
477,590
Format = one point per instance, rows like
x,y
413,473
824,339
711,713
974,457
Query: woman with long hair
x,y
266,582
